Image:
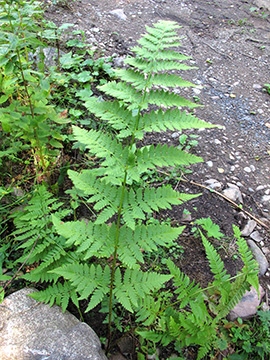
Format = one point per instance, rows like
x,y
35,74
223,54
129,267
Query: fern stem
x,y
116,242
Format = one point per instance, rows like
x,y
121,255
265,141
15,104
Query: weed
x,y
267,88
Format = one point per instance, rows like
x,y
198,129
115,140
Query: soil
x,y
230,46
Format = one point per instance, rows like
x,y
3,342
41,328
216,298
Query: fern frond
x,y
144,238
91,240
115,113
251,268
104,146
172,120
157,66
217,267
124,92
186,289
238,289
164,98
87,280
57,294
103,195
157,54
149,157
136,284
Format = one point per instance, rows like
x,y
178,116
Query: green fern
x,y
194,318
120,200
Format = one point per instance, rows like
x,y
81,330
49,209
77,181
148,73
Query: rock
x,y
266,199
209,163
119,61
248,304
220,170
119,13
259,257
84,219
186,217
247,169
18,191
265,250
175,135
217,142
263,4
32,330
233,193
256,236
196,91
252,168
213,184
249,227
257,86
260,187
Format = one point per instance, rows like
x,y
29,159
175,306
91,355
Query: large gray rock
x,y
30,330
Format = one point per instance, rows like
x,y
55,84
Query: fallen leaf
x,y
64,114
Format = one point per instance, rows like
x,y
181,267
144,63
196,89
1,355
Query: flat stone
x,y
35,331
259,257
266,199
257,86
248,304
260,187
213,184
249,227
256,236
247,169
196,91
186,217
233,194
119,13
209,163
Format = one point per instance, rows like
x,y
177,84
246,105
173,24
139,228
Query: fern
x,y
35,236
102,261
201,310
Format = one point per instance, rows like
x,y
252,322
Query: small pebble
x,y
247,169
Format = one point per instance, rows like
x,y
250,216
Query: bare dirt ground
x,y
229,42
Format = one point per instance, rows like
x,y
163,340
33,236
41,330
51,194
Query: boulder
x,y
30,330
248,304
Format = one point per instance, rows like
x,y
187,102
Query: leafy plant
x,y
25,90
194,316
250,339
267,88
